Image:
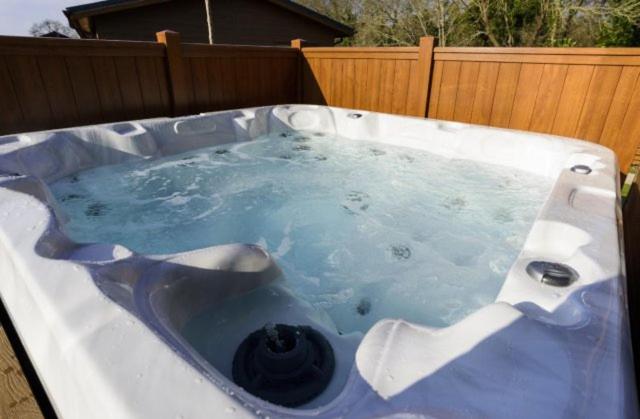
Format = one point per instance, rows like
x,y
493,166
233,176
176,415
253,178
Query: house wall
x,y
247,22
141,24
257,22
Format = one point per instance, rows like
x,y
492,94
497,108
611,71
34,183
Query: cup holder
x,y
552,273
581,169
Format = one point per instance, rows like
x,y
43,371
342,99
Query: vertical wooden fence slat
x,y
400,87
176,71
85,91
468,84
108,86
505,93
544,109
27,81
436,85
526,96
299,44
449,89
58,85
133,105
10,111
619,106
596,106
374,75
572,99
630,130
483,101
425,67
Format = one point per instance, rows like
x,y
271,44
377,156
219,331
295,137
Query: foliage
x,y
488,22
48,25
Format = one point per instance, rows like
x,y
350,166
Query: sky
x,y
17,16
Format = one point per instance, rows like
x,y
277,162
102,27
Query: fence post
x,y
298,44
176,71
425,68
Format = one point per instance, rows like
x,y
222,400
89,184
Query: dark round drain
x,y
283,364
552,273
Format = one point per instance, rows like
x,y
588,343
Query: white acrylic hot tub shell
x,y
538,351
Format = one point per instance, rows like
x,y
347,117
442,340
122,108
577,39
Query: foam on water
x,y
362,230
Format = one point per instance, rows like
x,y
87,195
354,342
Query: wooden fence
x,y
392,80
228,77
51,83
56,83
587,93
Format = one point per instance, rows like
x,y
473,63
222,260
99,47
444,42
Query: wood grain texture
x,y
16,400
394,80
247,79
586,93
506,85
485,91
47,84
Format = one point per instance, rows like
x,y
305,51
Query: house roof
x,y
53,34
76,14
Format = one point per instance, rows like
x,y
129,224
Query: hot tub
x,y
190,267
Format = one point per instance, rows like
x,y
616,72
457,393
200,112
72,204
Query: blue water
x,y
362,230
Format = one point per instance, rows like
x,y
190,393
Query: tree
x,y
621,28
488,22
49,25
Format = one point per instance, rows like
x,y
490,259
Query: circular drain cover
x,y
283,364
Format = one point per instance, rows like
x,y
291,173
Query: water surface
x,y
362,230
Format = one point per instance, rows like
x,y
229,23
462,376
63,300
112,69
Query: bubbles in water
x,y
425,241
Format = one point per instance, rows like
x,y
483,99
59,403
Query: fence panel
x,y
55,83
226,77
393,80
587,93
